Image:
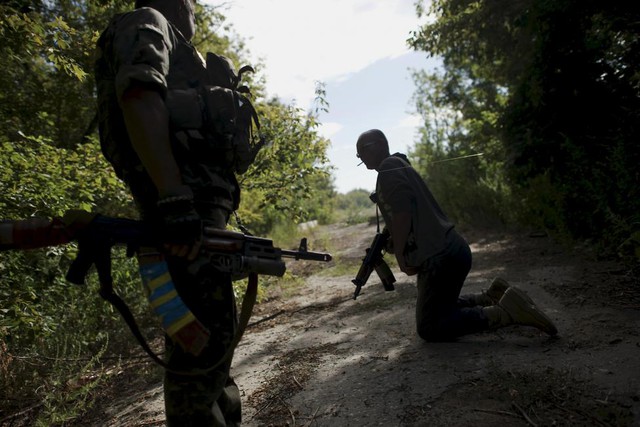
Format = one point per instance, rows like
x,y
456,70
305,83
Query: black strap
x,y
248,302
93,251
106,292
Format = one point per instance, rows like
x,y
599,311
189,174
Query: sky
x,y
357,49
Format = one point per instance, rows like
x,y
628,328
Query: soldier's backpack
x,y
229,114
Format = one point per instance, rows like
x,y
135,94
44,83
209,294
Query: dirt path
x,y
319,358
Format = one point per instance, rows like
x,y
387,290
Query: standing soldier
x,y
148,77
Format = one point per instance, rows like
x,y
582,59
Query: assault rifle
x,y
373,260
230,252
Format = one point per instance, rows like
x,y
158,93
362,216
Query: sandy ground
x,y
316,357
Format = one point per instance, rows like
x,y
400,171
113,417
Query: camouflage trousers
x,y
210,398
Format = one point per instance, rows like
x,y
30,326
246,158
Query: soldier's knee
x,y
428,332
435,331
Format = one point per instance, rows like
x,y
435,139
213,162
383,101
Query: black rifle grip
x,y
373,260
91,250
80,266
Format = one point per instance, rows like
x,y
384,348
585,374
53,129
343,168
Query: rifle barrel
x,y
311,256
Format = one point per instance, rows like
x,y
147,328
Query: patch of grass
x,y
288,236
341,267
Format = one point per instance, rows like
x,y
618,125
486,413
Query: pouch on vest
x,y
229,113
185,111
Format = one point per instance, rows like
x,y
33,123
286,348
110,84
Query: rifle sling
x,y
106,292
248,302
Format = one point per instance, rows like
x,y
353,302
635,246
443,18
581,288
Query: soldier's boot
x,y
489,297
516,308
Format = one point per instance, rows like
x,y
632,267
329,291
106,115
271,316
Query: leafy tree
x,y
354,207
43,318
548,91
458,151
47,53
572,124
290,176
354,199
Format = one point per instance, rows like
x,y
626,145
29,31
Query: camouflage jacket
x,y
143,48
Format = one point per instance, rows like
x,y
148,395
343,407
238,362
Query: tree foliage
x,y
354,207
273,193
548,91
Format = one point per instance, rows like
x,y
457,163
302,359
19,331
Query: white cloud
x,y
356,47
302,42
328,129
412,121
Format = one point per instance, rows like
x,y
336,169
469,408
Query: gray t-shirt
x,y
401,189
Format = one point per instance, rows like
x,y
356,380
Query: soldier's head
x,y
372,148
181,13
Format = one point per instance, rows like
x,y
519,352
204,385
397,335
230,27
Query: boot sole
x,y
515,301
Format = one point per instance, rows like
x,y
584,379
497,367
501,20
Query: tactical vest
x,y
211,121
219,112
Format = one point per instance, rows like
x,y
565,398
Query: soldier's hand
x,y
389,246
181,226
406,269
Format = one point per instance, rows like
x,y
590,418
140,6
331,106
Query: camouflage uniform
x,y
143,48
